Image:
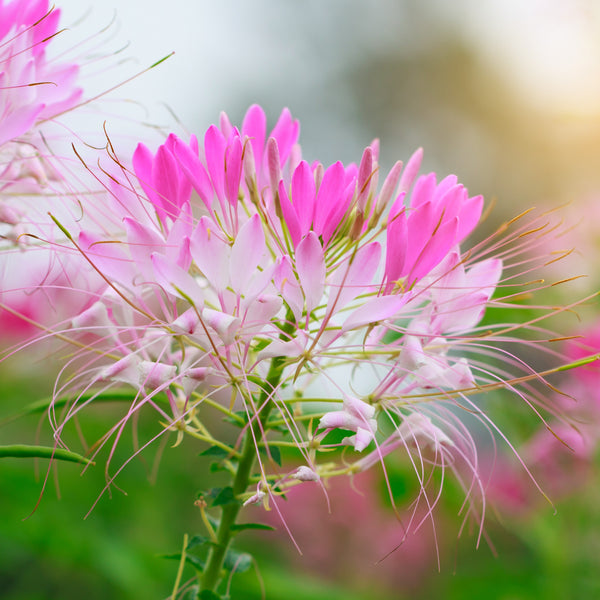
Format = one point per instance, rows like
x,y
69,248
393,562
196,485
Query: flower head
x,y
237,276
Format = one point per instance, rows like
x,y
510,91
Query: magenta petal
x,y
436,248
303,196
410,172
142,166
364,178
470,214
289,215
310,264
165,180
397,240
255,127
194,170
423,190
338,212
233,170
286,133
214,150
388,187
330,194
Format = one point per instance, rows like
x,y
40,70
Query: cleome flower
x,y
322,314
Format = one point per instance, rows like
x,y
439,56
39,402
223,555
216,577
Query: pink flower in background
x,y
349,538
32,87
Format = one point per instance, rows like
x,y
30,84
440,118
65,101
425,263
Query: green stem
x,y
211,575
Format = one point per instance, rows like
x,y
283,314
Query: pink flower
x,y
232,275
32,89
419,236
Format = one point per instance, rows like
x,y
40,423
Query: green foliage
x,y
26,451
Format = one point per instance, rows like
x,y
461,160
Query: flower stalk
x,y
256,429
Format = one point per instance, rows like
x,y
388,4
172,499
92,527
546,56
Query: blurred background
x,y
503,93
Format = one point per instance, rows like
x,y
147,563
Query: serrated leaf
x,y
237,561
24,451
243,526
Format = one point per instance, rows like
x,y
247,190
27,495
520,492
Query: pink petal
x,y
286,133
194,170
285,281
214,151
142,241
289,215
142,166
310,264
224,324
303,196
411,170
233,170
109,258
433,252
377,309
349,281
19,121
255,127
329,195
246,254
174,280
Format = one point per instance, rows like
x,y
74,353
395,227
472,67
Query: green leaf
x,y
274,453
225,496
191,594
243,526
191,559
217,467
196,542
208,595
238,419
43,405
24,451
215,452
237,561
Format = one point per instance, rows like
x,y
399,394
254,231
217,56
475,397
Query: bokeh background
x,y
503,93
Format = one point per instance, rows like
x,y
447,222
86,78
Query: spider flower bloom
x,y
33,89
238,276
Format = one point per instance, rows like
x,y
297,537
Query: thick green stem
x,y
210,578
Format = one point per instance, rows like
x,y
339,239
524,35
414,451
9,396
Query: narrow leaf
x,y
24,451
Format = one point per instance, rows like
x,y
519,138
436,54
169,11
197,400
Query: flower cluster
x,y
313,307
334,322
34,90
